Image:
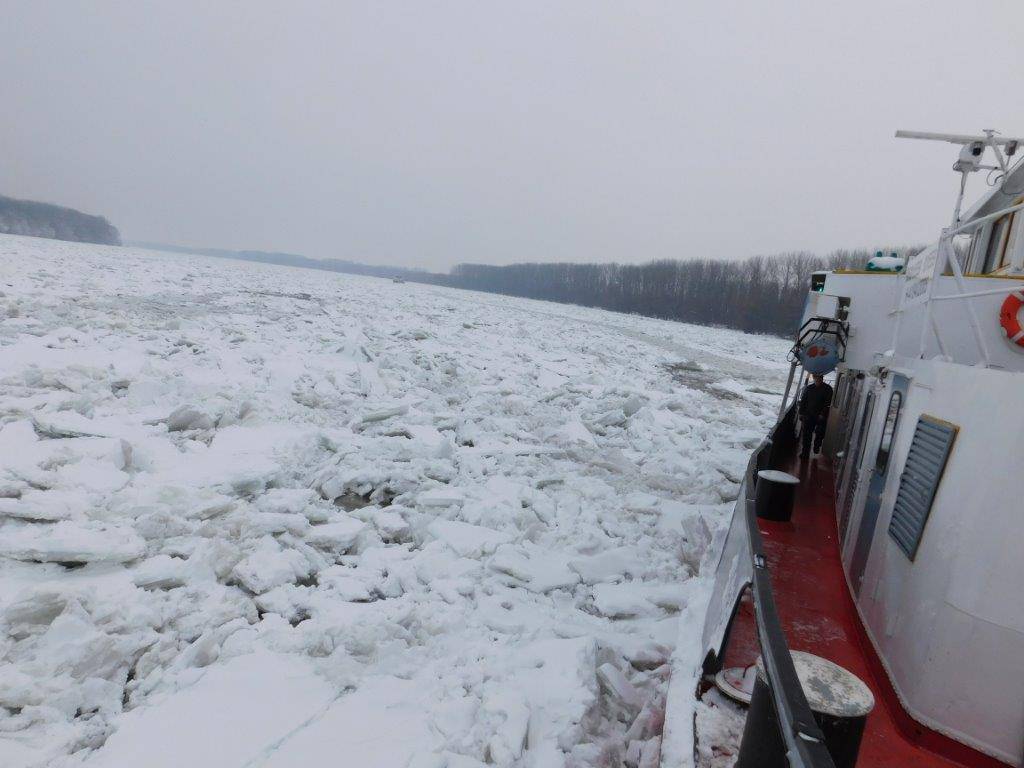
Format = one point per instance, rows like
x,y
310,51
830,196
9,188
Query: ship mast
x,y
971,152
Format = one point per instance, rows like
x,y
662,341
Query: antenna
x,y
973,148
959,138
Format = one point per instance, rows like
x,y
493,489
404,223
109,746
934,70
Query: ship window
x,y
975,258
926,461
995,255
888,430
1014,237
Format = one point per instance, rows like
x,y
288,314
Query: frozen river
x,y
261,516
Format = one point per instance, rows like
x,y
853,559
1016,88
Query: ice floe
x,y
253,515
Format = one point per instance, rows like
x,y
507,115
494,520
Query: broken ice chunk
x,y
440,497
610,566
617,686
613,418
211,504
632,404
541,572
32,609
650,721
573,432
650,755
291,500
435,443
71,542
644,653
336,536
391,525
12,489
467,540
509,739
340,581
63,425
559,680
160,572
632,756
381,414
75,644
638,598
17,437
18,690
276,522
43,506
288,602
271,566
622,600
186,417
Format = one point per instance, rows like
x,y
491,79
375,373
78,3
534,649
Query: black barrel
x,y
762,745
839,699
773,494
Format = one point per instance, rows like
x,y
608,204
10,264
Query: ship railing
x,y
742,564
919,290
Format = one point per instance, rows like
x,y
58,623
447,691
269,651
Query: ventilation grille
x,y
929,450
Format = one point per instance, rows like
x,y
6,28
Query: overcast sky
x,y
429,133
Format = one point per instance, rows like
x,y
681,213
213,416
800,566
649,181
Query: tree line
x,y
762,294
28,217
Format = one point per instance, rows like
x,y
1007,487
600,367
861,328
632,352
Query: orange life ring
x,y
1008,318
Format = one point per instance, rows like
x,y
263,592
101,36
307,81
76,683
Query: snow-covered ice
x,y
260,516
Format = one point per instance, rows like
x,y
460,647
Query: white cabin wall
x,y
874,297
954,323
950,624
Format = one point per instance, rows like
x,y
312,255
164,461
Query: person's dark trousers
x,y
812,429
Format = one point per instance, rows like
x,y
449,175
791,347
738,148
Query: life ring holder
x,y
1008,319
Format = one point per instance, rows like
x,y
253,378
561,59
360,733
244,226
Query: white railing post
x,y
937,270
938,338
901,286
961,285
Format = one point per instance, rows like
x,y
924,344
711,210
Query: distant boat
x,y
397,280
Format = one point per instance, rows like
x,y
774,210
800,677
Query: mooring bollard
x,y
773,494
839,700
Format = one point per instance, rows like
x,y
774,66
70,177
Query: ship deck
x,y
818,616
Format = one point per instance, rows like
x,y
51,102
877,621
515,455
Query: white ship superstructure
x,y
921,487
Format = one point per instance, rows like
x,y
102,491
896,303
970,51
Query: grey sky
x,y
429,133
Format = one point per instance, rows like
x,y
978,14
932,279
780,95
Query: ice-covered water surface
x,y
261,516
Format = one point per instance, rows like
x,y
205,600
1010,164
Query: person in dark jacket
x,y
813,410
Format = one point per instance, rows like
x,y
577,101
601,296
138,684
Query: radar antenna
x,y
971,153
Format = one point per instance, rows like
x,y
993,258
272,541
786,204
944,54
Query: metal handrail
x,y
1006,289
944,257
975,223
805,745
